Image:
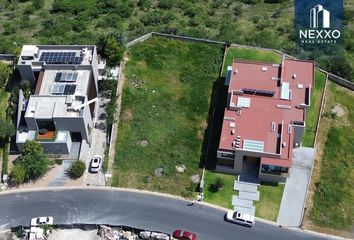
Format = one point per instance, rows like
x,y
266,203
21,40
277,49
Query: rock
x,y
158,172
195,178
144,143
180,168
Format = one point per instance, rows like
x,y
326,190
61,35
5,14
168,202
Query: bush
x,y
5,160
18,174
77,169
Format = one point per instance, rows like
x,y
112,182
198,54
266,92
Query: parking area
x,y
97,147
294,195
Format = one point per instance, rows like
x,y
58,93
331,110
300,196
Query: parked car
x,y
41,221
96,164
184,235
240,218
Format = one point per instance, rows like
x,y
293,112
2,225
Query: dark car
x,y
184,235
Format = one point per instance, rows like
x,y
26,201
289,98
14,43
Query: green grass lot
x,y
250,54
314,110
333,199
165,101
223,197
269,202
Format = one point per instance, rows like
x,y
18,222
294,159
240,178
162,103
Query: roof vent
x,y
283,144
294,76
264,69
235,72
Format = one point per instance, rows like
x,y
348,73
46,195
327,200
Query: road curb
x,y
166,195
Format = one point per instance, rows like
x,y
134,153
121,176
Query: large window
x,y
47,124
271,169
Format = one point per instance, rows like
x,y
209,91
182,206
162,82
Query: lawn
x,y
314,110
4,97
333,198
222,197
250,54
165,106
269,202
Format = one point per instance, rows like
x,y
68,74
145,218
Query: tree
x,y
5,71
77,169
238,10
113,51
18,174
33,160
7,129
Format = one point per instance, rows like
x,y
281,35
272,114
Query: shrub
x,y
77,169
18,174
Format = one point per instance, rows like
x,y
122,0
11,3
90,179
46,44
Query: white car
x,y
96,164
41,221
240,218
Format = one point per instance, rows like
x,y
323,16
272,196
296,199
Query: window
x,y
227,155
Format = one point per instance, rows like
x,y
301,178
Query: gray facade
x,y
65,93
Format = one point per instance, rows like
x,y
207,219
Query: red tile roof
x,y
255,122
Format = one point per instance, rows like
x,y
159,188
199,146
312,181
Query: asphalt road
x,y
132,209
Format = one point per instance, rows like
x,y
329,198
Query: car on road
x,y
184,235
41,221
96,164
240,218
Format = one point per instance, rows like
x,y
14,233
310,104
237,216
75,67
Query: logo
x,y
319,23
319,16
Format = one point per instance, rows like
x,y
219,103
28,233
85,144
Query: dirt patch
x,y
61,234
127,115
141,64
201,132
338,110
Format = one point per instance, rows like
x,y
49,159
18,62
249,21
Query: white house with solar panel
x,y
63,107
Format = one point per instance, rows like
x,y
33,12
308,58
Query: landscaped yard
x,y
269,202
314,110
165,106
333,188
223,196
270,194
250,54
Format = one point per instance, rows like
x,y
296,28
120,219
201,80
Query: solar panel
x,y
63,89
66,77
60,58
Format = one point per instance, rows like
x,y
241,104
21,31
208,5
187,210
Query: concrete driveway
x,y
292,204
97,148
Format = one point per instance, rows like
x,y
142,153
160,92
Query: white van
x,y
240,218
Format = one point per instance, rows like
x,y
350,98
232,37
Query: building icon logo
x,y
320,17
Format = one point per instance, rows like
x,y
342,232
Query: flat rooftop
x,y
50,82
264,101
47,107
57,54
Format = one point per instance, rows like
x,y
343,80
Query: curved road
x,y
132,209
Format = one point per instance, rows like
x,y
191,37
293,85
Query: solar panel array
x,y
61,58
66,77
258,92
63,89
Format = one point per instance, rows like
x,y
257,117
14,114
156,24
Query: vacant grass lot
x,y
223,196
165,105
250,54
314,110
334,193
269,201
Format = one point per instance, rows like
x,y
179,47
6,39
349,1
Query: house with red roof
x,y
265,117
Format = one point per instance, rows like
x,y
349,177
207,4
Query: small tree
x,y
18,174
7,129
34,161
77,169
113,51
218,184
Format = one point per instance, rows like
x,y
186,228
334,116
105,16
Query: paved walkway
x,y
247,193
292,204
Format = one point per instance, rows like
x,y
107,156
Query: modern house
x,y
265,117
63,107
